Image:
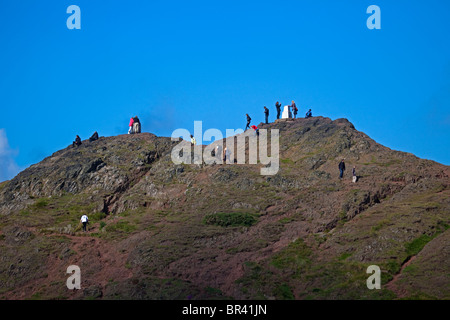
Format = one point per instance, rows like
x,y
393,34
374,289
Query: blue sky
x,y
175,62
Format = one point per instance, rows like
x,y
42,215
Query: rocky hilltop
x,y
160,230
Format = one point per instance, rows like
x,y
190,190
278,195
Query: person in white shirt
x,y
84,221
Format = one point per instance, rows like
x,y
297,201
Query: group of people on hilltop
x,y
77,141
293,106
134,127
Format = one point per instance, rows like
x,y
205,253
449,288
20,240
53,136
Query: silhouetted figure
x,y
341,168
308,114
278,106
266,113
94,137
77,142
248,121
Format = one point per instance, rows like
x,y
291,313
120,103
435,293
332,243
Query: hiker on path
x,y
308,114
278,106
94,137
84,220
130,131
266,113
248,121
136,125
341,168
193,141
354,178
77,141
295,110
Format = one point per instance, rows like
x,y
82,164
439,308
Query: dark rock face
x,y
312,234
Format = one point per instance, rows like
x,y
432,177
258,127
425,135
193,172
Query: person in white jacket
x,y
84,221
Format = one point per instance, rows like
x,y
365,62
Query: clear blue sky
x,y
175,62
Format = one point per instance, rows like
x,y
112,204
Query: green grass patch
x,y
121,226
230,219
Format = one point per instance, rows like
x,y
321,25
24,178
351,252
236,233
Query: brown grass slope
x,y
165,231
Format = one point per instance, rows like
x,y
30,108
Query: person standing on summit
x,y
248,121
130,131
294,108
341,168
278,106
136,125
266,113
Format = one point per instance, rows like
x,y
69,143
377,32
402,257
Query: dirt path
x,y
392,285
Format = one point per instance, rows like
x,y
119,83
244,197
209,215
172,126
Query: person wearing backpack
x,y
278,106
136,125
248,121
295,110
266,113
84,220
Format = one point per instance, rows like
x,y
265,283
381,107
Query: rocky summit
x,y
160,230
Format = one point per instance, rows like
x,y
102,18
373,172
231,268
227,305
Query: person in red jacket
x,y
130,131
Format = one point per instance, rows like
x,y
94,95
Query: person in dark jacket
x,y
266,113
308,114
136,125
248,121
278,106
94,137
77,141
341,168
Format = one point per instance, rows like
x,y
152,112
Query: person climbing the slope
x,y
341,168
266,113
136,125
278,106
94,137
248,121
354,178
308,114
130,131
84,220
77,141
